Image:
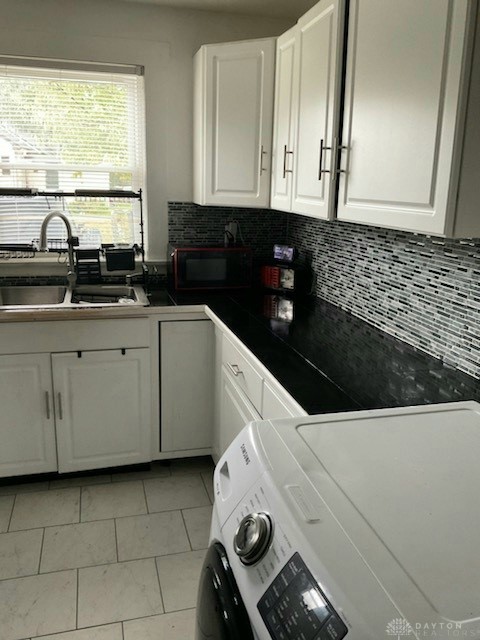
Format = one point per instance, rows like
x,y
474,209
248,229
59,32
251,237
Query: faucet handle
x,y
73,241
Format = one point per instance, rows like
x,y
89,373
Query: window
x,y
62,130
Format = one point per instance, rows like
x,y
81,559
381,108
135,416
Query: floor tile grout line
x,y
206,488
65,524
77,598
92,626
41,551
133,515
145,496
186,530
116,539
160,585
11,513
120,622
47,573
80,506
103,564
156,614
97,520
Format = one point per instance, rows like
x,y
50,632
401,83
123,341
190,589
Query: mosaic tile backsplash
x,y
190,223
423,290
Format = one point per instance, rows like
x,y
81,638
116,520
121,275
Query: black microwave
x,y
193,268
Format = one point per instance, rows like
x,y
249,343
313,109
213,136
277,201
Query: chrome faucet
x,y
71,241
144,273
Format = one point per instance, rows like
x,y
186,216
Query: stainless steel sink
x,y
106,295
81,296
31,297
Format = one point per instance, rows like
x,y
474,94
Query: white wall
x,y
164,40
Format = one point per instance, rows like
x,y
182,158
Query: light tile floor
x,y
108,557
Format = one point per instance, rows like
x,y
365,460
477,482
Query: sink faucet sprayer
x,y
71,241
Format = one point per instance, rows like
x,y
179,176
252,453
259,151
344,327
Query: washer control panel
x,y
295,608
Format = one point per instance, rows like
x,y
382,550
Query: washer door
x,y
221,614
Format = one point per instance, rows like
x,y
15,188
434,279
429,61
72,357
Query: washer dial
x,y
253,537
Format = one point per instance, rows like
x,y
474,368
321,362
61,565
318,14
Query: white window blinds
x,y
65,129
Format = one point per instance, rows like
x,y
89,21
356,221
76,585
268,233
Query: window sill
x,y
48,265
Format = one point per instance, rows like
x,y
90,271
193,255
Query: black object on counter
x,y
87,266
120,258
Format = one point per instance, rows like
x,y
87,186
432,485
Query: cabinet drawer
x,y
245,375
74,335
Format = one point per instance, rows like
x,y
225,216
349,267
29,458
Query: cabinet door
x,y
404,70
283,133
235,412
102,406
238,123
318,72
27,429
187,352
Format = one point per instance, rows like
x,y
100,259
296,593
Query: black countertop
x,y
329,360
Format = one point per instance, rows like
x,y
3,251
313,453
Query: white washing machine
x,y
361,525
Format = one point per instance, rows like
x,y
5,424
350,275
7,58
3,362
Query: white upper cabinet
x,y
233,107
283,138
318,73
307,105
406,90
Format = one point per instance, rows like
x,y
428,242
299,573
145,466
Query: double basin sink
x,y
80,296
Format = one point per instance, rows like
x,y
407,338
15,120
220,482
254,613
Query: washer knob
x,y
253,537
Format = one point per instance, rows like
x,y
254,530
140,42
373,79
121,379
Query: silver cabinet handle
x,y
285,153
235,369
47,404
60,409
338,148
320,162
262,153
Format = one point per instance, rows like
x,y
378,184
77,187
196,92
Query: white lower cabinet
x,y
244,392
275,406
27,426
235,411
102,408
187,353
92,408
